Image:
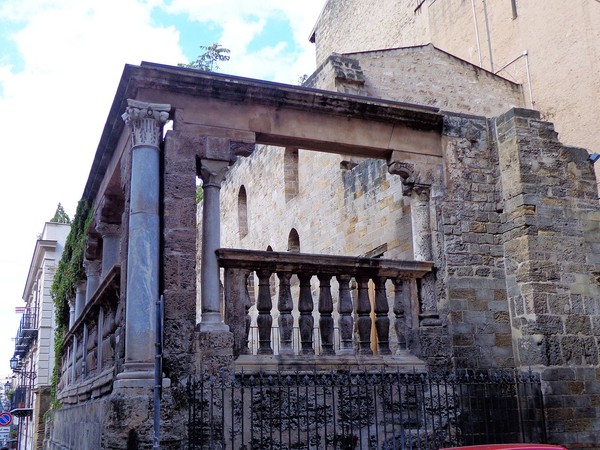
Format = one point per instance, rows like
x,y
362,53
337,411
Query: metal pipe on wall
x,y
476,33
487,29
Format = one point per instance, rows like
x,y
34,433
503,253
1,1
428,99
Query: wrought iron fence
x,y
346,410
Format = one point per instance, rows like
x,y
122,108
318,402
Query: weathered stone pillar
x,y
71,312
146,121
111,245
212,173
92,271
418,186
79,299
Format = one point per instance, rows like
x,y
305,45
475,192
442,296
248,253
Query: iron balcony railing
x,y
362,410
27,333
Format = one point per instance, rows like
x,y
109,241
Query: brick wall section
x,y
551,235
468,247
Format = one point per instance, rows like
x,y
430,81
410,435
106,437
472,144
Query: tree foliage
x,y
210,58
60,216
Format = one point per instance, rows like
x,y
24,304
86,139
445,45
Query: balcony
x,y
329,309
27,333
21,401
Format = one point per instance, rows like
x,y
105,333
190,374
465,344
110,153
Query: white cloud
x,y
54,102
242,21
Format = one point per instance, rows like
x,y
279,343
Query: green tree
x,y
60,216
209,59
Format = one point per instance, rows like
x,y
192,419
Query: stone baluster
x,y
382,321
401,301
108,338
247,318
237,306
363,310
100,339
84,349
346,322
325,310
286,320
306,320
264,321
145,121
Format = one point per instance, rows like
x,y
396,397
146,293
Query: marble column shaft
x,y
146,121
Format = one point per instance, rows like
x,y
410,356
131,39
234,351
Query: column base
x,y
138,375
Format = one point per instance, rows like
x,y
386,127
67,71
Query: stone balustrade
x,y
320,305
88,362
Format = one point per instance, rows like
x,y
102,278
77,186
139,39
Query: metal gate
x,y
364,410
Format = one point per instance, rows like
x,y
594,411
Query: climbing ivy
x,y
70,271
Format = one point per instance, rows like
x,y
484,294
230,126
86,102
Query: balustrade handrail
x,y
354,305
320,263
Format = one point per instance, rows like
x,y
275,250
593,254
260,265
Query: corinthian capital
x,y
146,121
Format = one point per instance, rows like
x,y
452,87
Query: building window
x,y
242,212
290,172
293,241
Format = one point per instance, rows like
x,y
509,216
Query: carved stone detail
x,y
145,121
413,180
212,172
241,149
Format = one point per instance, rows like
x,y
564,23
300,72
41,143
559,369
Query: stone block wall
x,y
551,242
342,207
468,247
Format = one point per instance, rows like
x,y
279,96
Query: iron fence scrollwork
x,y
363,410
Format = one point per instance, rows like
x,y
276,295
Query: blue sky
x,y
60,63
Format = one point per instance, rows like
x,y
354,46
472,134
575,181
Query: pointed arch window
x,y
290,172
243,212
294,241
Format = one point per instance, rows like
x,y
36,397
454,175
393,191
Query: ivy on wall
x,y
69,273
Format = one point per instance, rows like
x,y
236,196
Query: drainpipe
x,y
487,29
476,33
158,345
526,54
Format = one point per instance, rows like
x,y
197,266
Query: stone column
x,y
71,312
145,121
92,271
212,173
111,245
80,290
417,186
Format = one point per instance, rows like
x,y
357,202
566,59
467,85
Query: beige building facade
x,y
550,47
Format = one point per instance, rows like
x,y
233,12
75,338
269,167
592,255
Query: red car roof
x,y
509,447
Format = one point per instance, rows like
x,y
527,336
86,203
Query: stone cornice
x,y
160,78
